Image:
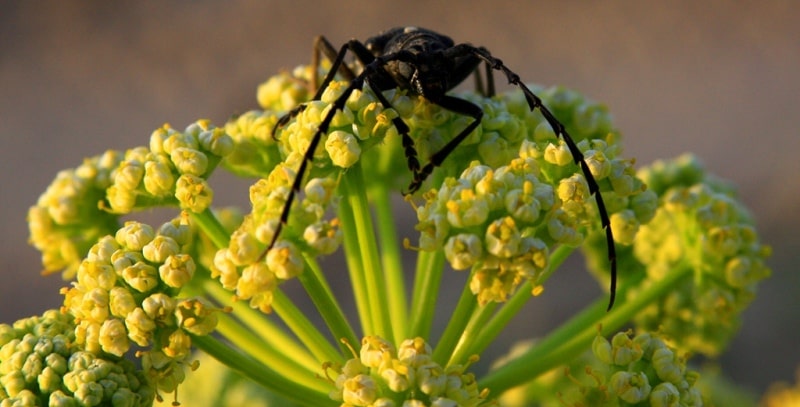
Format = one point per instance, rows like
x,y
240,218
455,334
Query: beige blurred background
x,y
716,78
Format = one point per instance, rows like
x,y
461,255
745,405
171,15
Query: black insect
x,y
426,64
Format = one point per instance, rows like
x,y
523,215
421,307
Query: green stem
x,y
355,193
353,259
458,322
309,335
392,262
320,293
576,336
511,308
273,340
428,278
463,349
273,358
271,379
210,225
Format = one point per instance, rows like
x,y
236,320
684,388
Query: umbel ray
x,y
427,64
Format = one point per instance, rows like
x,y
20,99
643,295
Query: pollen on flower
x,y
383,376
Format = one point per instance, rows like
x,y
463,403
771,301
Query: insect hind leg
x,y
534,102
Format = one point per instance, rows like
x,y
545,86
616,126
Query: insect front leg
x,y
456,105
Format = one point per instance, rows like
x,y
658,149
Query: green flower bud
x,y
630,387
225,269
177,270
177,140
502,238
463,250
140,327
178,345
141,276
360,390
285,260
160,308
189,161
343,148
135,235
624,226
193,193
120,302
467,209
158,180
665,395
129,174
160,248
244,248
324,237
257,283
216,141
196,317
114,337
556,154
121,200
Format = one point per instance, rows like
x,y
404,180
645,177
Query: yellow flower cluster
x,y
384,377
125,294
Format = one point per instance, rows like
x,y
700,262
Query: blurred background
x,y
716,78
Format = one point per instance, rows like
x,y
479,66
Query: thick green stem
x,y
211,227
458,322
278,382
274,358
322,296
371,271
353,259
574,337
511,308
309,335
391,261
272,339
430,267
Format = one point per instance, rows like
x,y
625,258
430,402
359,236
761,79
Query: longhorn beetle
x,y
426,64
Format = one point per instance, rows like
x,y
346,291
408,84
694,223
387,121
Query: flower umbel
x,y
40,364
383,376
509,204
125,295
702,229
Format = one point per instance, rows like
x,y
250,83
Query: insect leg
x,y
308,156
486,90
321,44
456,105
338,104
535,102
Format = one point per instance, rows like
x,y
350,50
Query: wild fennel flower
x,y
381,375
704,234
125,296
508,204
66,220
41,364
626,370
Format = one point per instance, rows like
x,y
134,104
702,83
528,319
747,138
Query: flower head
x,y
125,294
40,362
66,220
699,227
626,370
408,376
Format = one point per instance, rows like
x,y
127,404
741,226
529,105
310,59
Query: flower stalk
x,y
508,207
